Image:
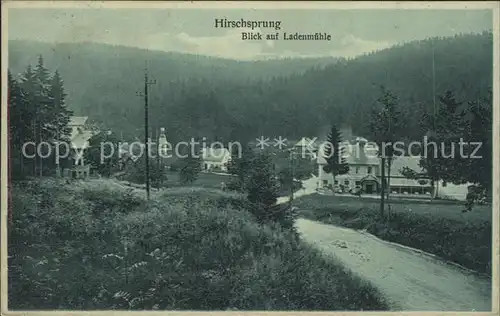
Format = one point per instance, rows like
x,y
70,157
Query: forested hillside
x,y
223,99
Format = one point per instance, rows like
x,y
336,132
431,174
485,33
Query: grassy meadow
x,y
438,227
95,245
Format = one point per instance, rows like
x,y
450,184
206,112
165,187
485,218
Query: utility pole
x,y
147,82
433,86
382,188
292,175
158,134
436,188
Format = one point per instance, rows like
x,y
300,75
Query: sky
x,y
193,31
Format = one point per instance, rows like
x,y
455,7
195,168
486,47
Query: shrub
x,y
466,242
188,249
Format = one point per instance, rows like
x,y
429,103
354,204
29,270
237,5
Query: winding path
x,y
411,280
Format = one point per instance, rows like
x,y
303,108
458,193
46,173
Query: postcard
x,y
249,157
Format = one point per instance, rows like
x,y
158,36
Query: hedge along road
x,y
411,280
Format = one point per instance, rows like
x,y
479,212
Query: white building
x,y
80,136
306,146
399,184
215,159
365,172
163,146
364,168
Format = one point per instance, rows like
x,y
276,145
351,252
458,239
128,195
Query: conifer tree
x,y
479,131
335,154
240,166
440,152
30,110
19,131
59,113
191,167
262,186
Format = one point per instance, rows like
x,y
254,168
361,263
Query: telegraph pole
x,y
147,82
146,129
158,134
433,87
292,172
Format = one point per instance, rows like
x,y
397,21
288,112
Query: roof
x,y
305,142
399,163
354,154
81,140
403,182
215,154
77,120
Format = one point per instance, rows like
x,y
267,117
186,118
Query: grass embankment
x,y
210,180
438,228
95,246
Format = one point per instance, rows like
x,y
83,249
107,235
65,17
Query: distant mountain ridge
x,y
23,52
232,99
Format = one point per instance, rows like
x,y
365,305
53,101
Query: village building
x,y
215,159
364,170
79,142
163,145
399,184
306,147
364,173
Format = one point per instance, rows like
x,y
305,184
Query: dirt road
x,y
411,281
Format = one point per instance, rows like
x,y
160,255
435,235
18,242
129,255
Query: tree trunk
x,y
39,141
433,189
21,167
382,187
333,186
35,160
388,177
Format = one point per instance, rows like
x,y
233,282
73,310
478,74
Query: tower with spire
x,y
162,143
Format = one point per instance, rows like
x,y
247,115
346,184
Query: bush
x,y
83,248
467,243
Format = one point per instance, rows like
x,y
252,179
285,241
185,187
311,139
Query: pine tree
x,y
19,131
480,131
262,187
477,135
191,167
240,166
43,99
42,104
445,126
29,111
58,112
58,116
335,154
